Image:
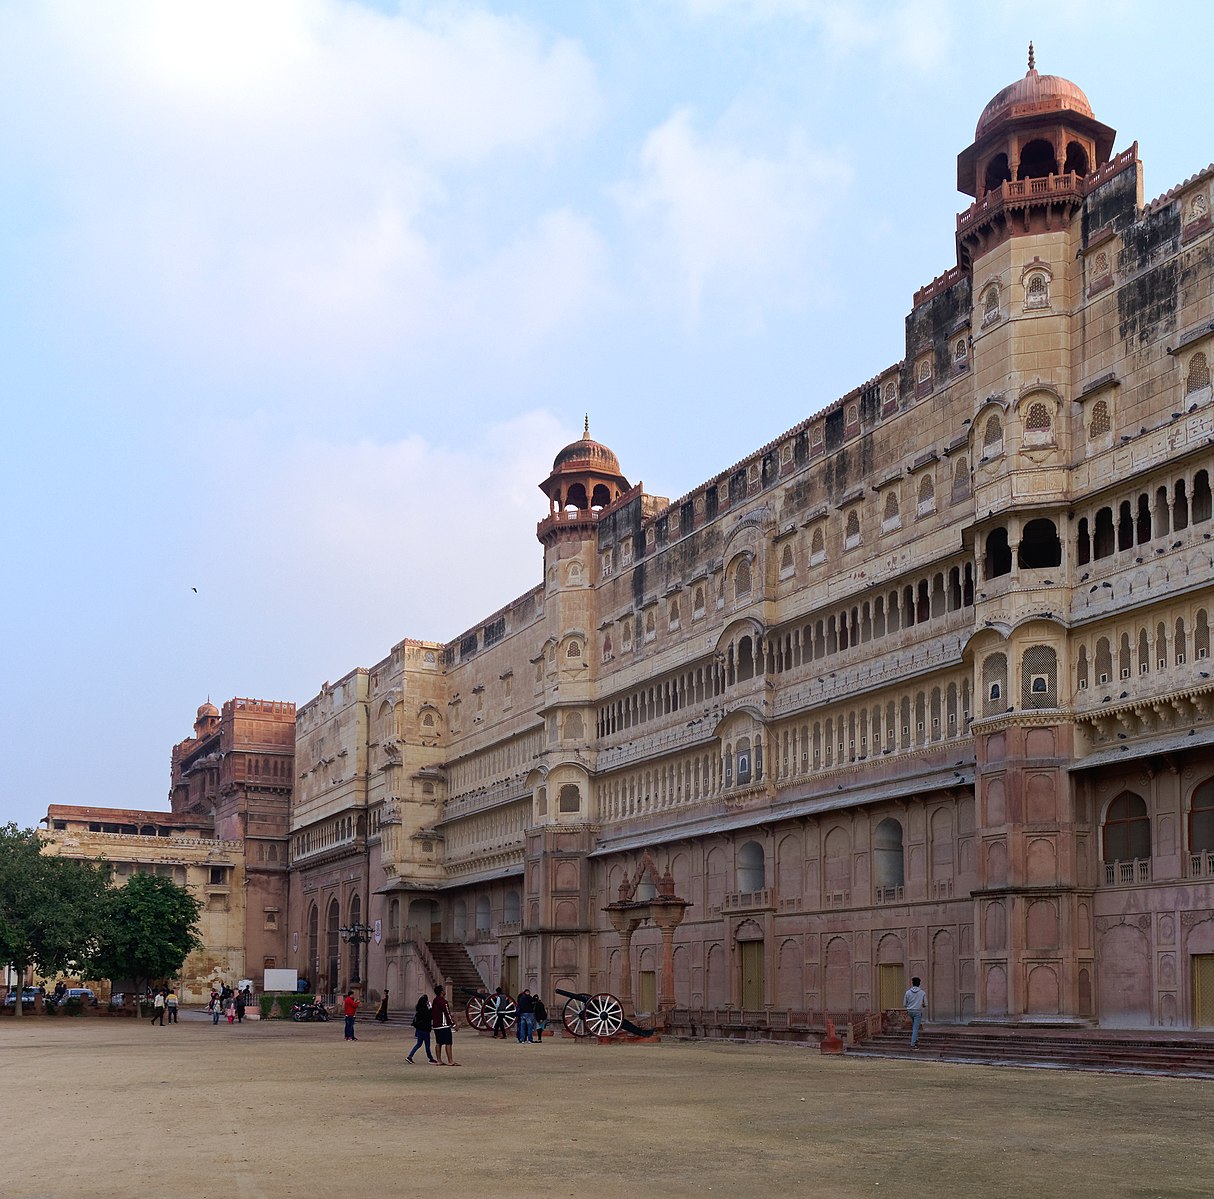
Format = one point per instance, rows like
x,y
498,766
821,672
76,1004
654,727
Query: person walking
x,y
230,1010
350,1008
215,1007
541,1020
170,1005
440,1018
526,1016
915,1002
381,1014
421,1030
241,1001
158,1008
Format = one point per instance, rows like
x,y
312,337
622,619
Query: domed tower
x,y
1035,143
585,479
207,720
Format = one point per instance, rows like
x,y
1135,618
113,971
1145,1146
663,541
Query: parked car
x,y
28,995
83,994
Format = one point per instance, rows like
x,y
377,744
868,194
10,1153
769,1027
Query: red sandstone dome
x,y
207,709
1034,94
586,454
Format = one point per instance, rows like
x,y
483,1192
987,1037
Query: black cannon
x,y
599,1015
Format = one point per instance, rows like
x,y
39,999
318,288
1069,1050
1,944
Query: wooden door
x,y
1203,990
511,976
891,978
752,975
647,991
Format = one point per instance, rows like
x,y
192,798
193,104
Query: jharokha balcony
x,y
1040,204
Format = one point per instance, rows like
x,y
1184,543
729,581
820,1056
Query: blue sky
x,y
300,299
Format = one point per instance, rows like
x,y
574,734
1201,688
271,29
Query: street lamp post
x,y
357,935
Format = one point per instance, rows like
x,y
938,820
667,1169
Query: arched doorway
x,y
332,947
750,951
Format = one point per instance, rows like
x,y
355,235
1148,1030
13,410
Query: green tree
x,y
149,928
51,908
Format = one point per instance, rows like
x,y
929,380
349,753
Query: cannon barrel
x,y
470,991
573,995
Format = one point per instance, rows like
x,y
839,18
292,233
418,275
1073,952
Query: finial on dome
x,y
586,426
1032,58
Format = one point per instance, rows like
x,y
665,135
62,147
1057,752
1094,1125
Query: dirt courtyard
x,y
105,1107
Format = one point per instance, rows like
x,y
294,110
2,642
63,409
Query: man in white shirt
x,y
915,1002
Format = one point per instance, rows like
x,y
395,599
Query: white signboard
x,y
281,980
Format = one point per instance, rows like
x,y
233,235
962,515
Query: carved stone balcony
x,y
749,901
1121,874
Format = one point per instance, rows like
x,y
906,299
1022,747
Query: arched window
x,y
927,496
741,579
817,547
1127,829
997,172
1201,819
998,554
992,437
570,798
333,946
674,614
459,920
606,646
651,627
313,962
1039,677
697,602
1038,419
890,517
786,563
1076,160
511,912
961,479
852,534
483,918
1104,660
889,870
1037,160
1037,291
1199,374
752,872
961,357
1040,548
994,685
990,305
742,758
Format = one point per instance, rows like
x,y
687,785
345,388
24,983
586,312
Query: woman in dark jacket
x,y
421,1028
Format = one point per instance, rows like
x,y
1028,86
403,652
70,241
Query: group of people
x,y
532,1016
433,1015
164,1003
229,1003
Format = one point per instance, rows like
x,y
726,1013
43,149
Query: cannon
x,y
599,1015
482,1009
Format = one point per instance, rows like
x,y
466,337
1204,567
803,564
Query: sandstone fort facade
x,y
923,686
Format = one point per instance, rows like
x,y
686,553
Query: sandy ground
x,y
105,1107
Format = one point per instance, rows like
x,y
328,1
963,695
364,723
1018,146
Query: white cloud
x,y
724,221
422,539
288,180
914,35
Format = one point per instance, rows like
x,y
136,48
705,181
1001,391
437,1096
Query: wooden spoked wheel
x,y
573,1017
503,1006
599,1016
477,1011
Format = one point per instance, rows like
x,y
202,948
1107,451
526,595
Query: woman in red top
x,y
440,1019
350,1007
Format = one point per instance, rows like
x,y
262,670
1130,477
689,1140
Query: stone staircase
x,y
455,963
1183,1055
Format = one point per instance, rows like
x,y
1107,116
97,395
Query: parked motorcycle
x,y
304,1012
